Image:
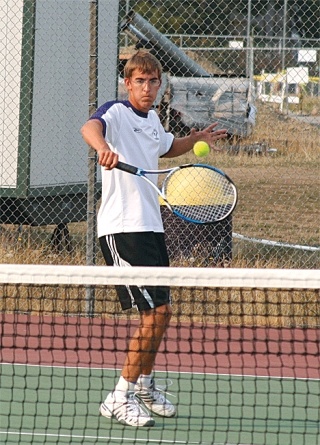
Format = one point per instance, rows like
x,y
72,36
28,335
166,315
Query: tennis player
x,y
130,228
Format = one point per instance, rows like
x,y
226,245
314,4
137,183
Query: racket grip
x,y
127,167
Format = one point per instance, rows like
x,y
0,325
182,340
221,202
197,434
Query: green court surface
x,y
58,405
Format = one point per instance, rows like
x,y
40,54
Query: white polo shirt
x,y
128,203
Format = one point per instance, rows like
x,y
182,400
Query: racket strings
x,y
200,194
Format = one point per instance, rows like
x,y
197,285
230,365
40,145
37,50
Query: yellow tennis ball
x,y
201,148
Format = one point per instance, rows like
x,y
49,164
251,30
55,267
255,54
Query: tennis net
x,y
240,359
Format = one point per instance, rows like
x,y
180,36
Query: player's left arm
x,y
183,145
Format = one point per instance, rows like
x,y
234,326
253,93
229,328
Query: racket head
x,y
200,193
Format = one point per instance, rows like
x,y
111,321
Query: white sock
x,y
124,385
122,388
144,381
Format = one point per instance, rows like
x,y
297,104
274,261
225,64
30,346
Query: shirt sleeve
x,y
106,114
166,139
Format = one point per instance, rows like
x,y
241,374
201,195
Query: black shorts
x,y
137,249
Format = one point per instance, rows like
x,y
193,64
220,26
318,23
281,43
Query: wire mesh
x,y
253,67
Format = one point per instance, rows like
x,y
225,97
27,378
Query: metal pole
x,y
167,52
126,40
284,35
92,165
249,59
248,39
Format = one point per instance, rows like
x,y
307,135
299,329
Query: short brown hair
x,y
144,62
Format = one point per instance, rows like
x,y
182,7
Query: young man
x,y
130,228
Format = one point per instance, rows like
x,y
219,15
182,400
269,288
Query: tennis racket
x,y
197,193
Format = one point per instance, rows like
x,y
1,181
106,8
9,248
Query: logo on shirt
x,y
137,130
155,135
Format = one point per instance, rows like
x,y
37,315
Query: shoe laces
x,y
134,407
156,391
162,387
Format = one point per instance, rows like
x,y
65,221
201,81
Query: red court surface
x,y
101,343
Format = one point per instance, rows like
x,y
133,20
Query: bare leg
x,y
145,342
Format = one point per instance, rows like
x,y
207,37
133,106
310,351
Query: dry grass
x,y
279,196
245,307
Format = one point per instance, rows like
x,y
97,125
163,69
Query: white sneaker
x,y
126,410
154,399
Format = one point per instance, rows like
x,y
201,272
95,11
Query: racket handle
x,y
127,168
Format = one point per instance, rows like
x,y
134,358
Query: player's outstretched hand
x,y
210,135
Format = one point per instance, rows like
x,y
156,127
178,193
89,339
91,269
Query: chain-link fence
x,y
252,66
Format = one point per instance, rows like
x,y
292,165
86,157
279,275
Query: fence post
x,y
92,168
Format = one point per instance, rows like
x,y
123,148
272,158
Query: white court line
x,y
168,372
75,436
119,439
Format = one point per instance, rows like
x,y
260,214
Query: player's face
x,y
143,89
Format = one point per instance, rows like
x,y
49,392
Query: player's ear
x,y
127,83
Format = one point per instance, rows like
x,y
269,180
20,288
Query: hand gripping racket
x,y
197,193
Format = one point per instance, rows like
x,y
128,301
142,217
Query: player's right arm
x,y
92,133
